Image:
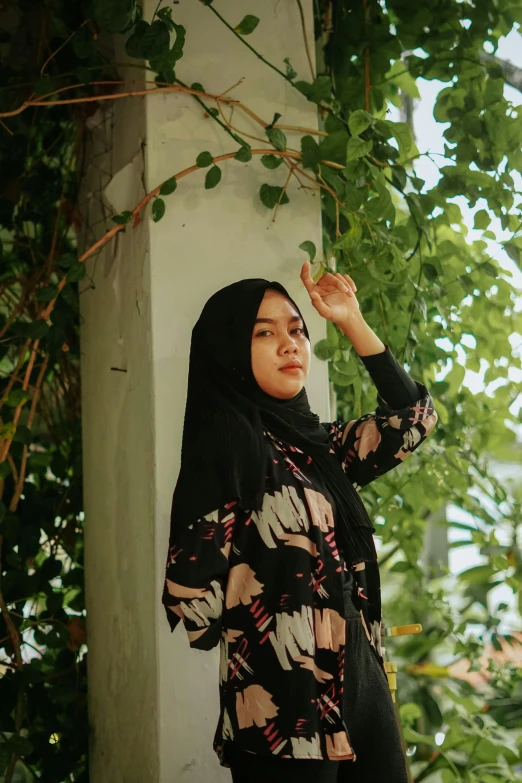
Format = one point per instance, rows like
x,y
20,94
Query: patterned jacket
x,y
268,586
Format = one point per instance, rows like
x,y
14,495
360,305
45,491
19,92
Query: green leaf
x,y
204,159
122,218
277,138
20,745
430,271
177,49
333,147
400,567
45,85
309,248
270,195
339,378
332,334
37,329
317,91
168,187
17,397
399,177
244,154
148,40
351,238
23,435
482,219
324,350
359,121
83,74
247,25
83,44
47,293
197,86
489,269
76,272
310,152
401,132
290,72
448,776
67,259
165,14
357,148
513,252
158,209
114,16
213,177
400,76
271,161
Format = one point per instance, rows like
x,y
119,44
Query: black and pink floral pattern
x,y
268,588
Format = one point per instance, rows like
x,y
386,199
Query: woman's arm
x,y
373,444
393,383
376,442
196,572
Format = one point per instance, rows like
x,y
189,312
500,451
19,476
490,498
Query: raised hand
x,y
333,296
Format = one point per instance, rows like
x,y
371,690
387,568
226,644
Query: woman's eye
x,y
267,331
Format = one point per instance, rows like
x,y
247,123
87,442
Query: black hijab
x,y
224,449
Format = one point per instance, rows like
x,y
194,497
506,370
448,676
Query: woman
x,y
271,551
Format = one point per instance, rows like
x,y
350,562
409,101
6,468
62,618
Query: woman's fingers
x,y
350,281
343,284
306,277
319,305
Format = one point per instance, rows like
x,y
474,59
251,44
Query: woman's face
x,y
280,348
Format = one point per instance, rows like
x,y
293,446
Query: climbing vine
x,y
438,297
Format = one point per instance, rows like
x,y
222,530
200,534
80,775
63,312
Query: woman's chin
x,y
284,391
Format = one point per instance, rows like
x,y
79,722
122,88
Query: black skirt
x,y
368,710
369,715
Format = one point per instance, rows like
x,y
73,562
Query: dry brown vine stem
x,y
18,409
53,54
14,313
288,155
14,374
291,167
305,39
112,233
13,505
11,627
159,88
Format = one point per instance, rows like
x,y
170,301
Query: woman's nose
x,y
290,346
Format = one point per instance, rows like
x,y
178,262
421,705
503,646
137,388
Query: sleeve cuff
x,y
394,385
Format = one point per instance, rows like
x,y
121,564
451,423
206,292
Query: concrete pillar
x,y
153,701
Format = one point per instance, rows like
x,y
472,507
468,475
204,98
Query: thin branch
x,y
245,43
15,372
305,39
283,191
23,465
53,54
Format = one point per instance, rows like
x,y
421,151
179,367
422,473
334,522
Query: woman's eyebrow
x,y
274,320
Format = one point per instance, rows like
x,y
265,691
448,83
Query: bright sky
x,y
429,138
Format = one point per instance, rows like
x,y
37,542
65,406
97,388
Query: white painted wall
x,y
154,701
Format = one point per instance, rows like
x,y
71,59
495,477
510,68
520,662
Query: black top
x,y
268,586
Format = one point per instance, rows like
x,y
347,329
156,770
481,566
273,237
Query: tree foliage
x,y
435,295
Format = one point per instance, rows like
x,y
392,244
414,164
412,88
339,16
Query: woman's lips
x,y
293,369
